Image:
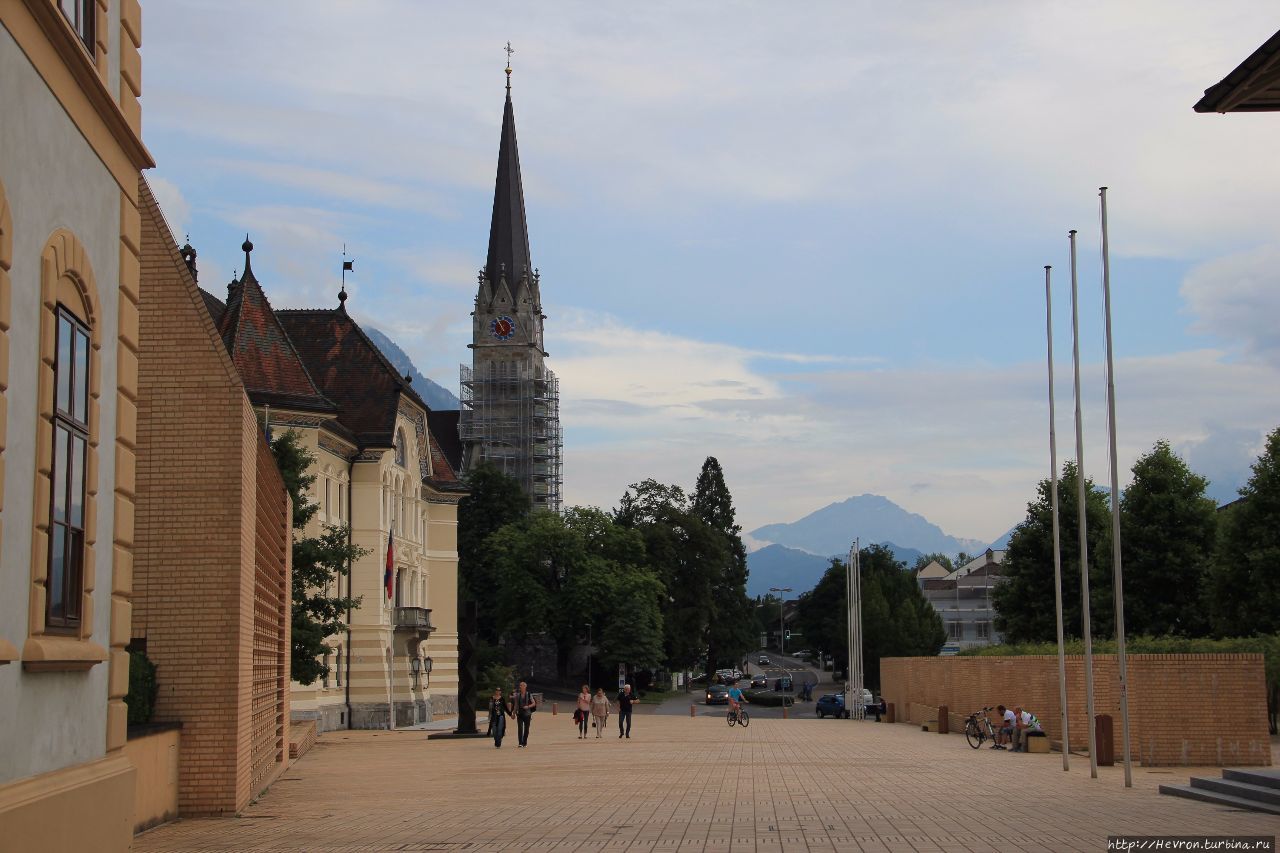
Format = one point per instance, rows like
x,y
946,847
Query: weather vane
x,y
347,266
509,52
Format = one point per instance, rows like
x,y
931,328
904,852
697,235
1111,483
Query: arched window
x,y
399,444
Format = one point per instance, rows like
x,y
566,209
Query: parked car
x,y
717,694
737,674
830,705
761,680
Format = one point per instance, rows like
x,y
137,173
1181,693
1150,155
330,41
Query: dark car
x,y
760,681
831,705
717,694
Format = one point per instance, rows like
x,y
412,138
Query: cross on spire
x,y
509,52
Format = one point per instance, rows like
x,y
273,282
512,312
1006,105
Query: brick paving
x,y
696,784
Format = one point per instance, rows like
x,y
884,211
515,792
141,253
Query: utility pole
x,y
782,618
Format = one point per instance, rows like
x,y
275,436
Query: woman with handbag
x,y
600,710
583,712
498,713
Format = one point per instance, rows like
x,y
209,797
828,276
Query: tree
x,y
941,559
731,631
897,620
1168,531
319,564
1024,600
1244,585
493,500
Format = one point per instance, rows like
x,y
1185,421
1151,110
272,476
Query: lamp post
x,y
427,663
415,666
782,619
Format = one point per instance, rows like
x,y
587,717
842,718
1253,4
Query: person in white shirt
x,y
1025,723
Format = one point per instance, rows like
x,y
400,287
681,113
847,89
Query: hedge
x,y
1267,645
143,687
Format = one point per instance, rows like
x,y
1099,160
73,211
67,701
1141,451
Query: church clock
x,y
502,328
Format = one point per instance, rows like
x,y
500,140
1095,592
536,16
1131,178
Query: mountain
x,y
1003,542
872,518
433,394
778,565
904,554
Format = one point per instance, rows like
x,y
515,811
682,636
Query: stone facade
x,y
70,157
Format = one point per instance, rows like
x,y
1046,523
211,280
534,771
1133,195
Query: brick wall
x,y
1194,710
197,531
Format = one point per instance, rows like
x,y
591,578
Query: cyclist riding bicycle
x,y
736,697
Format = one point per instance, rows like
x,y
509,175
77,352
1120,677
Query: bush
x,y
491,677
1268,646
143,687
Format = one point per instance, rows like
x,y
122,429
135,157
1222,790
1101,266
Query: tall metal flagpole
x,y
860,710
1057,548
1115,499
1082,518
848,597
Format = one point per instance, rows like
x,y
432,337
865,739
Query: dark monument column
x,y
466,668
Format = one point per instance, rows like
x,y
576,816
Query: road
x,y
779,666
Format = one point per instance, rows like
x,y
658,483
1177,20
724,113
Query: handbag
x,y
577,715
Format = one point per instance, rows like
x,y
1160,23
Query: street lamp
x,y
427,663
782,617
415,666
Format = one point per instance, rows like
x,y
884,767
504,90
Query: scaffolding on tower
x,y
510,417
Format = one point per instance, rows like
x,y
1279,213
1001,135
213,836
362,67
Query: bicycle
x,y
978,728
740,716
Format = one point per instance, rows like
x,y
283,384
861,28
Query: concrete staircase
x,y
1255,790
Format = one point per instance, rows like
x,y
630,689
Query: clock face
x,y
502,328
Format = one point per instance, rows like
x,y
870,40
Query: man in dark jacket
x,y
525,706
625,700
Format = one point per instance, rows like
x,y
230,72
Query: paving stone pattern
x,y
696,784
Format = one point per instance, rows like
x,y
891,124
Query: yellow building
x,y
70,158
379,467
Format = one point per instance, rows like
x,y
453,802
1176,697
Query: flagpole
x,y
1082,518
848,598
1117,570
387,582
1057,548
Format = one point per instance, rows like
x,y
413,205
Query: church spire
x,y
508,232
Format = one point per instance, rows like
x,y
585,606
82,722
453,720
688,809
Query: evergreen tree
x,y
1024,600
1167,536
731,632
319,565
1244,586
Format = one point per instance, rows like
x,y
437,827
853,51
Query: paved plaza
x,y
696,784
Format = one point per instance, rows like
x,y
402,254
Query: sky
x,y
807,239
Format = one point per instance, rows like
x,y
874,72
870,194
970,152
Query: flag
x,y
390,579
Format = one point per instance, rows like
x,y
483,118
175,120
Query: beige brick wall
x,y
196,536
1191,710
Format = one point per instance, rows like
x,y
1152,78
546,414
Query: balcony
x,y
415,620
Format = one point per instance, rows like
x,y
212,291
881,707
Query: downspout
x,y
351,467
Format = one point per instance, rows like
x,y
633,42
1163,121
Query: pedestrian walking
x,y
625,699
525,706
583,712
599,710
498,713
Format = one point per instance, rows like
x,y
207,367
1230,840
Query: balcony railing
x,y
414,619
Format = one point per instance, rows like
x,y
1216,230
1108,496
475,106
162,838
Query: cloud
x,y
1237,298
176,209
1225,456
963,444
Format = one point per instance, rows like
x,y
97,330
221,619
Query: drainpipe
x,y
351,468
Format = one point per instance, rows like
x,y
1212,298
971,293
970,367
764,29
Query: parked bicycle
x,y
739,716
978,729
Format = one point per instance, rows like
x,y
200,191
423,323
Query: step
x,y
1219,799
1265,778
1236,788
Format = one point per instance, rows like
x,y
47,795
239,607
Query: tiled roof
x,y
444,427
354,373
263,354
215,305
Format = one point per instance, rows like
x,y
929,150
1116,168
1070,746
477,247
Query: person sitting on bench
x,y
1026,724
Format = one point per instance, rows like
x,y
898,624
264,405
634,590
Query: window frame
x,y
84,23
76,442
